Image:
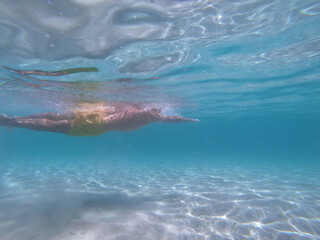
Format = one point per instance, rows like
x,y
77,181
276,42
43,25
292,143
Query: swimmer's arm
x,y
177,119
129,120
157,116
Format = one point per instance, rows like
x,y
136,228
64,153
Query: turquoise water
x,y
249,70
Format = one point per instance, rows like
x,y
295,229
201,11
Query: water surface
x,y
249,70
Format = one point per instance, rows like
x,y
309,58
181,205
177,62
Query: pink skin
x,y
119,117
134,119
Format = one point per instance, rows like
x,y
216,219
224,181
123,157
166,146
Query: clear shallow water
x,y
249,70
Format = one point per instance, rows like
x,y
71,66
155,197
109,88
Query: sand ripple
x,y
127,202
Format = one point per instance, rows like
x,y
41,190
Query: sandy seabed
x,y
82,202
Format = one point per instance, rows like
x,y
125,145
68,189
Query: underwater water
x,y
249,70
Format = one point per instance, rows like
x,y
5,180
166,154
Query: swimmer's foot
x,y
4,119
3,116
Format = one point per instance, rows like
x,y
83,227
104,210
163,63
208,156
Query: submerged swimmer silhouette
x,y
91,119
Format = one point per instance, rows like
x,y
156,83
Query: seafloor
x,y
109,200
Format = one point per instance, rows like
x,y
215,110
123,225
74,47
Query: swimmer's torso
x,y
89,119
92,119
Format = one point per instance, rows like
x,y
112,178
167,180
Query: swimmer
x,y
92,119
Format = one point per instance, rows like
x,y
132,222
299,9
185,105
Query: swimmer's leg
x,y
38,124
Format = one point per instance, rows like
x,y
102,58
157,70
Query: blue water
x,y
249,70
